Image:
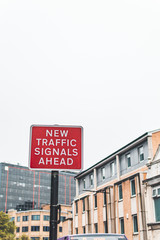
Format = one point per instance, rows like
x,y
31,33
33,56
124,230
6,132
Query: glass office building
x,y
21,186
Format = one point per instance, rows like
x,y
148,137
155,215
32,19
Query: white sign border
x,y
51,169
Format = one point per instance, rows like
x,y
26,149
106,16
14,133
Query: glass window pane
x,y
133,189
122,225
135,224
157,208
120,192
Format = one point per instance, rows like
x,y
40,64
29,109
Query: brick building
x,y
35,223
110,196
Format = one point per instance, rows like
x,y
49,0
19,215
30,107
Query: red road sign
x,y
56,147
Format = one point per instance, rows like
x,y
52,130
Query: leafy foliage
x,y
7,227
24,237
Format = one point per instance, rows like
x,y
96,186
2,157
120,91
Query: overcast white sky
x,y
89,63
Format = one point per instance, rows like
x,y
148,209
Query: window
x,y
104,198
35,228
46,218
133,189
83,204
35,238
91,180
76,207
35,217
60,229
17,229
12,219
25,218
112,169
62,218
45,228
95,201
45,238
135,224
76,230
120,192
141,154
84,230
105,227
18,219
128,158
156,196
84,183
103,173
157,208
154,192
96,227
24,229
122,225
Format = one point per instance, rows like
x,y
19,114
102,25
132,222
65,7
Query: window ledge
x,y
154,225
135,233
133,196
121,200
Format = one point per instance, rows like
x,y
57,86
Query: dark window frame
x,y
135,224
133,188
95,201
83,202
96,227
122,225
141,155
120,192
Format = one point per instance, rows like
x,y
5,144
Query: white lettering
x,y
75,152
51,142
49,160
37,151
56,151
41,161
57,141
64,133
73,140
63,152
63,141
68,153
48,151
69,161
44,141
56,161
62,162
56,133
42,151
38,139
49,133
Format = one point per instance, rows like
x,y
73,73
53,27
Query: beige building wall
x,y
63,228
129,207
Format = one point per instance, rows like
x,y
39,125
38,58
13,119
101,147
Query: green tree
x,y
24,237
7,227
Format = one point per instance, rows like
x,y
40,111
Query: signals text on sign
x,y
56,147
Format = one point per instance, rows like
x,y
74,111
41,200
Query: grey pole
x,y
54,205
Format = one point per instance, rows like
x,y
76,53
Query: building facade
x,y
36,223
152,197
110,196
21,187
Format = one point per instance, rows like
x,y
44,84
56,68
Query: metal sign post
x,y
55,147
54,205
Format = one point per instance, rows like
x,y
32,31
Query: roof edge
x,y
142,137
